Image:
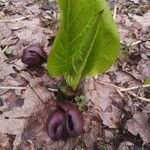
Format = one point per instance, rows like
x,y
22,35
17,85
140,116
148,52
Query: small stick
x,y
3,51
18,19
135,87
114,86
119,92
141,98
53,90
125,89
120,89
115,12
12,88
136,43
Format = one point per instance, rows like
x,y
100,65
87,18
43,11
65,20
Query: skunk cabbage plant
x,y
87,42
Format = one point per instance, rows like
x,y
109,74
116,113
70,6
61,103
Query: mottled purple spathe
x,y
65,122
34,55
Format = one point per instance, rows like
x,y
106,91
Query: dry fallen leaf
x,y
6,141
18,117
144,68
99,101
144,20
140,124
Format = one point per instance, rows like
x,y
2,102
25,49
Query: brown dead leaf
x,y
11,40
144,68
99,101
140,124
18,117
144,20
23,82
92,130
6,141
5,69
2,14
12,101
5,31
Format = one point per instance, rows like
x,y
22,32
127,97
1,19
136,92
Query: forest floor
x,y
117,114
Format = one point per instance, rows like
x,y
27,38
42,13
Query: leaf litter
x,y
113,119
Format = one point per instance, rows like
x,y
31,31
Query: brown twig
x,y
12,88
18,19
128,90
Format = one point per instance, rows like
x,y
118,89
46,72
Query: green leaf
x,y
87,42
8,51
147,80
79,98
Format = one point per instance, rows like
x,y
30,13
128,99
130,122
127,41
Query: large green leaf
x,y
87,42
